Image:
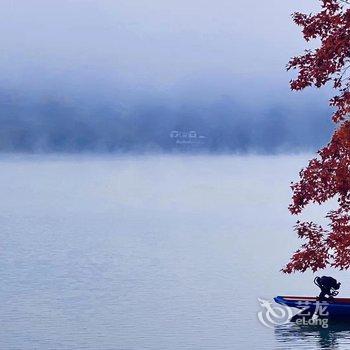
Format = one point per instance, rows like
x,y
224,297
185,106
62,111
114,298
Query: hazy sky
x,y
155,47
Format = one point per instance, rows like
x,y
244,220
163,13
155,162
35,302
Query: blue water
x,y
149,252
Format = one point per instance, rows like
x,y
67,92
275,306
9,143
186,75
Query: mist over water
x,y
119,76
168,219
228,124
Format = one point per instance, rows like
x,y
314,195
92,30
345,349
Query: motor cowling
x,y
329,287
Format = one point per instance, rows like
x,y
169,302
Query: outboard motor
x,y
329,287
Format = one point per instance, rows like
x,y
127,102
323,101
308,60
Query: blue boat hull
x,y
337,309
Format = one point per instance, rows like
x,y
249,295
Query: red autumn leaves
x,y
328,175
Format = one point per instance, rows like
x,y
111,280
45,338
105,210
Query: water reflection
x,y
335,336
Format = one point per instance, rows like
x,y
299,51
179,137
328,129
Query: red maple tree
x,y
327,175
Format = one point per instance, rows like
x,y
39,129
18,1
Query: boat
x,y
335,309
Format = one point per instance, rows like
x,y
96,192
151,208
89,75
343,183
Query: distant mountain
x,y
38,124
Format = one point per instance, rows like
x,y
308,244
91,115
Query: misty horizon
x,y
53,124
115,76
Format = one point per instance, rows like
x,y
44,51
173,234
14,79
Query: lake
x,y
150,252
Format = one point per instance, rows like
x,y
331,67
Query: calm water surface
x,y
149,253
